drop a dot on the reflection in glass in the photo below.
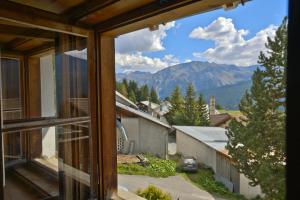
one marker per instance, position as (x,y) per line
(49,160)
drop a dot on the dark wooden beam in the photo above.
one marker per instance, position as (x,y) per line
(41,49)
(26,15)
(30,33)
(1,156)
(76,13)
(95,133)
(15,43)
(293,99)
(107,116)
(144,12)
(42,123)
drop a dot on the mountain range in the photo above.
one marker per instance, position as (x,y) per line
(226,82)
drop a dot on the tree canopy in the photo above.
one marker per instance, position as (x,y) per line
(188,110)
(257,141)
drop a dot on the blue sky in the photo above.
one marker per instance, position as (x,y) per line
(226,37)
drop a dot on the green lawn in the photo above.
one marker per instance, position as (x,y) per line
(156,168)
(203,179)
(234,113)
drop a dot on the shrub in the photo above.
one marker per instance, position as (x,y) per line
(154,193)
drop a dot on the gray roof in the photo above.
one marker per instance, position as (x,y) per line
(215,137)
(153,105)
(142,114)
(123,100)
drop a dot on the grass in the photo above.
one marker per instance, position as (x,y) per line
(233,113)
(203,179)
(156,168)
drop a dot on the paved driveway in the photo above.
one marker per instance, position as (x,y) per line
(177,186)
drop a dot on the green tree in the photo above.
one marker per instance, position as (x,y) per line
(144,92)
(219,107)
(122,89)
(125,82)
(190,107)
(257,141)
(153,96)
(175,114)
(131,96)
(202,112)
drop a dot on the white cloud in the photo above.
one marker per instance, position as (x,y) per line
(139,62)
(130,48)
(230,45)
(187,60)
(143,40)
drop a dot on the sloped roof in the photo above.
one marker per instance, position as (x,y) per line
(218,119)
(214,137)
(153,105)
(123,100)
(142,114)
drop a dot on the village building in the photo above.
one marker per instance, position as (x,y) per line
(207,145)
(157,110)
(145,133)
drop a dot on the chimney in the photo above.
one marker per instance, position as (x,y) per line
(212,106)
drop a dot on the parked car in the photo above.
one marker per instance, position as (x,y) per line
(189,164)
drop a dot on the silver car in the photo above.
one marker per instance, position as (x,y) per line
(189,164)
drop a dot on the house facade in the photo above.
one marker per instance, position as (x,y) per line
(145,133)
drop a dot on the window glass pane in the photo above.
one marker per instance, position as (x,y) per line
(10,80)
(48,160)
(59,166)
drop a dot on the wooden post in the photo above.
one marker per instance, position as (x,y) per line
(93,109)
(34,105)
(1,147)
(107,114)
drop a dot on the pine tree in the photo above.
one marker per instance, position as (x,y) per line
(123,89)
(131,96)
(132,86)
(257,141)
(190,107)
(153,96)
(203,114)
(177,102)
(125,82)
(144,92)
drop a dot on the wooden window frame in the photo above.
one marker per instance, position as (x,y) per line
(102,114)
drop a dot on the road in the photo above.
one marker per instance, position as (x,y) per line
(177,186)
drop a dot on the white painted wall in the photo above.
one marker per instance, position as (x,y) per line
(131,125)
(247,190)
(153,138)
(148,136)
(48,104)
(188,146)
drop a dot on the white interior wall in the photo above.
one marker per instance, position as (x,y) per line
(48,104)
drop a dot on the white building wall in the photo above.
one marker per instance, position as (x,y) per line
(188,146)
(247,190)
(148,136)
(153,138)
(131,126)
(48,104)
